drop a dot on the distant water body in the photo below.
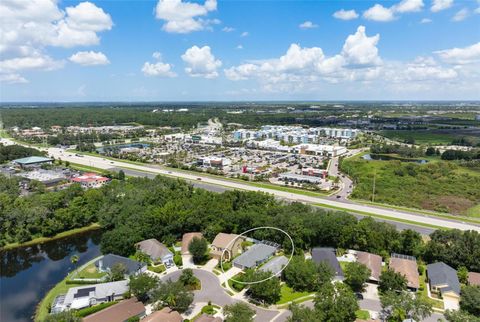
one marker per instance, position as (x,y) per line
(28,273)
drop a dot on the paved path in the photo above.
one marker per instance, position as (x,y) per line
(212,291)
(101,163)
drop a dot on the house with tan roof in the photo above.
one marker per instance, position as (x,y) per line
(373,262)
(230,245)
(186,239)
(208,318)
(157,251)
(473,278)
(406,266)
(119,312)
(164,315)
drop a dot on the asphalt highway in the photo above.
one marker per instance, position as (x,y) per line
(203,181)
(219,185)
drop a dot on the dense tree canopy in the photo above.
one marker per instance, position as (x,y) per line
(238,312)
(392,281)
(12,152)
(356,275)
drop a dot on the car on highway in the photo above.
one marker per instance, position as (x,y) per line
(199,179)
(169,172)
(338,197)
(111,162)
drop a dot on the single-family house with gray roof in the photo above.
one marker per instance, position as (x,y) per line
(327,255)
(443,279)
(157,251)
(88,295)
(275,265)
(254,256)
(105,264)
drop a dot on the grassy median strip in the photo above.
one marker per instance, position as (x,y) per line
(364,213)
(421,211)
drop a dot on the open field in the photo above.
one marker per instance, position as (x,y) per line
(438,185)
(433,136)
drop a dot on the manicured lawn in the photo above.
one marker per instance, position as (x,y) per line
(362,314)
(234,285)
(156,269)
(90,272)
(423,292)
(287,294)
(43,308)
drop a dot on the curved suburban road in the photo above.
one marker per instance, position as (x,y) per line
(212,291)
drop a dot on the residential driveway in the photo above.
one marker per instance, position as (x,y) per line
(371,292)
(212,291)
(187,261)
(450,304)
(210,265)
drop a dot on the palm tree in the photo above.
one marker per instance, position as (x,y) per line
(74,260)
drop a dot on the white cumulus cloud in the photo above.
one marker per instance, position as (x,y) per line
(460,56)
(89,58)
(426,20)
(184,17)
(461,15)
(201,62)
(345,14)
(379,13)
(28,28)
(159,68)
(307,25)
(439,5)
(359,49)
(408,6)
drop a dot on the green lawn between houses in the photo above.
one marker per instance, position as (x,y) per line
(43,307)
(287,294)
(90,271)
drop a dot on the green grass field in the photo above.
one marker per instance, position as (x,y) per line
(287,294)
(90,272)
(438,185)
(432,137)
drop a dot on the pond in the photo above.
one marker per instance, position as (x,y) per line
(384,157)
(28,273)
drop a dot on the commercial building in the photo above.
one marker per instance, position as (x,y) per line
(49,178)
(32,162)
(91,180)
(294,134)
(299,178)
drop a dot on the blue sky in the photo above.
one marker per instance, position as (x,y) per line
(172,50)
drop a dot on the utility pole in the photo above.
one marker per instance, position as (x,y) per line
(374,176)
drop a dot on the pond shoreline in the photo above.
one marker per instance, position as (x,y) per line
(42,240)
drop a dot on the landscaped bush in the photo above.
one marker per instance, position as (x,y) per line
(157,269)
(93,309)
(177,259)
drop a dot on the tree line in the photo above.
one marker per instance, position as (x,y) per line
(165,209)
(12,152)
